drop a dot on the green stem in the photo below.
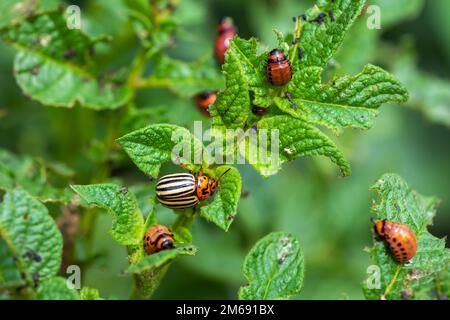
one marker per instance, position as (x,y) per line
(151,82)
(102,173)
(185,219)
(146,282)
(438,288)
(393,281)
(137,67)
(297,34)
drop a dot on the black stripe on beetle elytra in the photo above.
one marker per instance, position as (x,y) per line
(179,200)
(174,195)
(176,201)
(177,175)
(186,204)
(162,183)
(171,185)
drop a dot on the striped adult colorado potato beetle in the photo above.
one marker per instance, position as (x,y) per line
(278,69)
(225,32)
(399,237)
(158,238)
(184,190)
(204,100)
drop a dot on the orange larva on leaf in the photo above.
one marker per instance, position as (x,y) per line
(204,100)
(226,31)
(278,69)
(158,238)
(399,237)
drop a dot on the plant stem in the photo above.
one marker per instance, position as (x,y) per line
(114,122)
(102,172)
(297,34)
(137,67)
(391,284)
(151,82)
(185,219)
(146,282)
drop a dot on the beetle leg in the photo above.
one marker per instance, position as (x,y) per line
(185,167)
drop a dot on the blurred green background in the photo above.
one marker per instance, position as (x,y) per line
(329,215)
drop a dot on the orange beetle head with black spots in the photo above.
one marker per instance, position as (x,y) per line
(203,188)
(206,186)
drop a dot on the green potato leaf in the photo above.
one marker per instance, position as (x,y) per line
(33,175)
(54,64)
(296,137)
(222,210)
(128,223)
(274,268)
(14,11)
(31,235)
(343,102)
(56,289)
(319,41)
(159,259)
(90,294)
(151,146)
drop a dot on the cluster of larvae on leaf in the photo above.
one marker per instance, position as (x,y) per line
(278,67)
(184,190)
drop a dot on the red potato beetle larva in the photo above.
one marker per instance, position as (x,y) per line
(226,31)
(158,238)
(399,237)
(278,69)
(204,100)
